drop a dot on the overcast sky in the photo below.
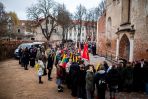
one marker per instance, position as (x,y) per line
(19,6)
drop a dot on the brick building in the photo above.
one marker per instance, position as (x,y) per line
(123,31)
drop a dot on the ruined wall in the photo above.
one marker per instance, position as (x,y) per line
(101,46)
(139,18)
(114,12)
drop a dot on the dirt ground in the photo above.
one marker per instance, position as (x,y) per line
(17,83)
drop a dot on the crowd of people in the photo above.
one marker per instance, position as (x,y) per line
(83,78)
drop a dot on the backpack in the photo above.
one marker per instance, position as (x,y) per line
(101,83)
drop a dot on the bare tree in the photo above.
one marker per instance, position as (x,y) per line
(91,23)
(3,20)
(44,10)
(100,9)
(64,20)
(91,18)
(79,17)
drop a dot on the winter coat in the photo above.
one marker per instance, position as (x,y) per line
(59,73)
(128,75)
(32,52)
(100,80)
(68,67)
(74,69)
(81,78)
(41,68)
(89,80)
(38,55)
(25,58)
(113,77)
(50,61)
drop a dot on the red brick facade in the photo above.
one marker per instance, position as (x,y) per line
(135,30)
(101,45)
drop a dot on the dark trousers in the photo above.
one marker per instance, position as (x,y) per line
(101,94)
(32,62)
(81,92)
(74,89)
(68,80)
(49,73)
(25,66)
(40,79)
(20,60)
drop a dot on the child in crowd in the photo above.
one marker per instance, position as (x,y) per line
(59,78)
(40,70)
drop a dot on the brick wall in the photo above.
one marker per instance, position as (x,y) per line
(101,35)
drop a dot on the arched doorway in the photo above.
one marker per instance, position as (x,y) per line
(124,47)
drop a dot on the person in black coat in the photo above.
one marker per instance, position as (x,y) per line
(120,69)
(81,81)
(20,55)
(139,76)
(74,69)
(94,49)
(50,64)
(100,82)
(128,77)
(105,66)
(136,76)
(144,73)
(25,58)
(32,52)
(113,78)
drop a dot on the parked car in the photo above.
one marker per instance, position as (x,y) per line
(28,45)
(23,45)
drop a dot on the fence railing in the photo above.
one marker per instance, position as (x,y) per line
(110,56)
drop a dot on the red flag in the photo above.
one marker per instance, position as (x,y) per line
(85,53)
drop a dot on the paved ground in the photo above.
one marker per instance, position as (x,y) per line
(17,83)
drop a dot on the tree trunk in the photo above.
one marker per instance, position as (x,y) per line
(63,34)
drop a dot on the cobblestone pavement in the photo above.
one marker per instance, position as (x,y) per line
(17,83)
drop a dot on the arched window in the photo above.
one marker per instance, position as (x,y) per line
(109,25)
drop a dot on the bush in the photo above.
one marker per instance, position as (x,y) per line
(7,48)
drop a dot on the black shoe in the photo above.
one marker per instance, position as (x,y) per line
(50,79)
(61,87)
(60,90)
(40,82)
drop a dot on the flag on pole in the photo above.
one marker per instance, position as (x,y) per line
(85,53)
(64,61)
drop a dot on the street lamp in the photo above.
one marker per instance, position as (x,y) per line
(9,26)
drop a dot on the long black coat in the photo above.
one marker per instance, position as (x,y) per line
(25,58)
(113,77)
(50,62)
